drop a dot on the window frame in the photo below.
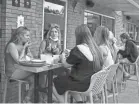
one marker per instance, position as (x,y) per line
(65,25)
(101,17)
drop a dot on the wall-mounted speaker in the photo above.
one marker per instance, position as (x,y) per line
(90,3)
(128,17)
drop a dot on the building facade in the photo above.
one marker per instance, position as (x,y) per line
(76,12)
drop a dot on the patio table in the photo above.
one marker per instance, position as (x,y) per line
(36,71)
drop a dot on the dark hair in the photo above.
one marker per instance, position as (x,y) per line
(83,35)
(125,36)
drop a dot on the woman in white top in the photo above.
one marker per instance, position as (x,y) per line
(101,37)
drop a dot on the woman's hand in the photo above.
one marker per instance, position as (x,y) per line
(27,44)
(49,47)
(62,57)
(67,52)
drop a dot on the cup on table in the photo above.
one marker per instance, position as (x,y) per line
(56,59)
(47,57)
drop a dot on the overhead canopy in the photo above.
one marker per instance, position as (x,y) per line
(129,7)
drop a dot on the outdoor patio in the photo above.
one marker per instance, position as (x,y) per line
(129,95)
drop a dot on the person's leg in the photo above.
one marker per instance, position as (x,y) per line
(27,76)
(124,69)
(77,97)
(59,97)
(20,74)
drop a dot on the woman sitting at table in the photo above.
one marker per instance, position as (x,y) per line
(85,59)
(130,54)
(16,50)
(101,36)
(52,43)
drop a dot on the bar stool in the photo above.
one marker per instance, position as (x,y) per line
(20,82)
(136,63)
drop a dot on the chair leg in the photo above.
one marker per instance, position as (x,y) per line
(19,92)
(116,88)
(66,97)
(113,88)
(105,92)
(103,96)
(5,91)
(137,75)
(91,97)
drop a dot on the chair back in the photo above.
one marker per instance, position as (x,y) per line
(97,81)
(137,61)
(112,71)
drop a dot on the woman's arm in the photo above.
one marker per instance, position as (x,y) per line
(57,49)
(14,52)
(63,60)
(104,52)
(29,53)
(42,47)
(126,52)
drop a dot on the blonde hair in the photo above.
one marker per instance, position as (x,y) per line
(16,34)
(57,27)
(101,35)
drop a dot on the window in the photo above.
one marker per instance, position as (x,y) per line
(55,12)
(93,20)
(132,30)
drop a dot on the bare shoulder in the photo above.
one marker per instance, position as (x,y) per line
(11,46)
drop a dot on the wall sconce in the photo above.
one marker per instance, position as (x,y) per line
(74,3)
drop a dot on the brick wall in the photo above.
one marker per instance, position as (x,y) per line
(119,28)
(33,20)
(75,18)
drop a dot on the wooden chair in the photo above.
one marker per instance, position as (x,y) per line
(96,86)
(111,79)
(7,79)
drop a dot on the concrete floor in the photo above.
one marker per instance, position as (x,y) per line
(130,94)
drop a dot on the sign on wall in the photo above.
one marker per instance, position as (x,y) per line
(27,3)
(16,3)
(20,21)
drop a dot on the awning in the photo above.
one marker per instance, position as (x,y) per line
(129,7)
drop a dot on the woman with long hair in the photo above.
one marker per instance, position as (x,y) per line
(85,59)
(16,50)
(101,36)
(52,42)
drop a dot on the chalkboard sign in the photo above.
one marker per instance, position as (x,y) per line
(16,3)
